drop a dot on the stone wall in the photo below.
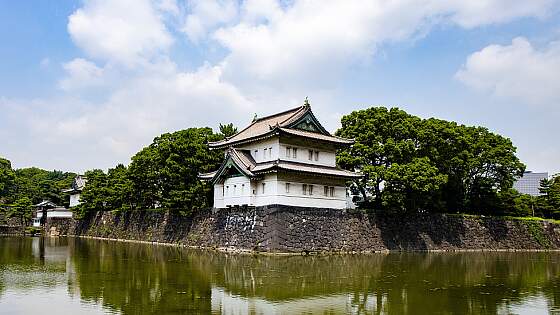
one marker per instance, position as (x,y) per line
(10,230)
(292,229)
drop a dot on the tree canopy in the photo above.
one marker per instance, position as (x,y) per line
(162,175)
(414,164)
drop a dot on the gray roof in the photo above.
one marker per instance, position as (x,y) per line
(77,185)
(243,162)
(283,122)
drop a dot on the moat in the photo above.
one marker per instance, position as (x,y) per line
(72,275)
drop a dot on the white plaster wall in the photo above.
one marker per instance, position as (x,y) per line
(237,191)
(218,196)
(74,200)
(326,157)
(318,200)
(55,214)
(275,193)
(270,193)
(267,144)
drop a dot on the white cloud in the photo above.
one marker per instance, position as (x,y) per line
(123,31)
(308,44)
(79,135)
(517,71)
(81,73)
(207,14)
(276,53)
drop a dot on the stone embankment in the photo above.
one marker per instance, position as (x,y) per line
(292,229)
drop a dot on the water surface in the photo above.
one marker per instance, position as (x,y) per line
(71,276)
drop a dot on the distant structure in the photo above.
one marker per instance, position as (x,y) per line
(48,209)
(529,183)
(77,186)
(286,159)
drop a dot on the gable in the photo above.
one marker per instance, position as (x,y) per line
(229,169)
(309,122)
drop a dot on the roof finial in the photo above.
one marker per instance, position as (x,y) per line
(255,117)
(306,102)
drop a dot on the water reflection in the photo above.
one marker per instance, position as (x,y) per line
(136,278)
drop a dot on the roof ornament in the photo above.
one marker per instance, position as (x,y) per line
(306,102)
(255,117)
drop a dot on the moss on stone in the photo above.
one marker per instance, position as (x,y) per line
(535,228)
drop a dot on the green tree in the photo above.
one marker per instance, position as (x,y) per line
(119,189)
(549,202)
(477,162)
(384,137)
(165,174)
(94,196)
(7,177)
(38,185)
(228,130)
(22,209)
(418,164)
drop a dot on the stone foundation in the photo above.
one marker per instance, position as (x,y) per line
(292,229)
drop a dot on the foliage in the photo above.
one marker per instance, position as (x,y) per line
(413,164)
(37,185)
(7,177)
(94,195)
(22,209)
(549,202)
(166,172)
(228,130)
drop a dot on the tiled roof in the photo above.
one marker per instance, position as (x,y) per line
(46,203)
(306,168)
(270,125)
(77,185)
(317,136)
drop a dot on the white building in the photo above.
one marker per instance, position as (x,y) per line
(286,158)
(77,186)
(50,210)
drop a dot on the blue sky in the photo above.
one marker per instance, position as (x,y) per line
(86,84)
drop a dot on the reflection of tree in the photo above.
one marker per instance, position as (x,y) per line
(136,278)
(395,283)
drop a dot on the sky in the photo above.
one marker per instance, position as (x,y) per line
(87,84)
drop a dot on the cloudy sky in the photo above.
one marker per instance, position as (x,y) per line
(86,84)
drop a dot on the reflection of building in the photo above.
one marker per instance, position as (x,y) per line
(77,186)
(345,303)
(529,183)
(286,158)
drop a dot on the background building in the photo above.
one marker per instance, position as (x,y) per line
(529,183)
